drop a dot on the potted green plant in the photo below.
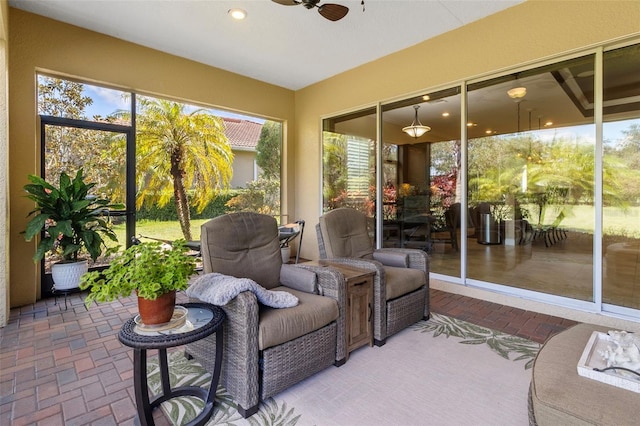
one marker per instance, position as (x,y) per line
(152,270)
(73,221)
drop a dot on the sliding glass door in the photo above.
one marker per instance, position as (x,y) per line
(621,178)
(531,179)
(424,197)
(512,187)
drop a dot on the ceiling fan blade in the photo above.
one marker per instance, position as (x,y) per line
(332,11)
(287,2)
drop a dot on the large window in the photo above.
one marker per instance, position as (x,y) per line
(517,191)
(184,165)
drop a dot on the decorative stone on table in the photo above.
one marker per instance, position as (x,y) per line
(612,358)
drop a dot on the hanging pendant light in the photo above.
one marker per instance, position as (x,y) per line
(416,129)
(517,91)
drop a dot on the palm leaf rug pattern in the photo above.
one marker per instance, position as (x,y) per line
(184,372)
(501,343)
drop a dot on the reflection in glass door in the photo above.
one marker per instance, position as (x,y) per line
(621,179)
(349,163)
(531,179)
(423,199)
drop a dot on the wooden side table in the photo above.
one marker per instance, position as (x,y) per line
(203,320)
(359,291)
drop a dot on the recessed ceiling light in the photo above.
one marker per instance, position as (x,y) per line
(548,123)
(238,14)
(470,124)
(488,132)
(445,114)
(426,98)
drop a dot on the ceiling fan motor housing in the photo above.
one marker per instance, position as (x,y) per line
(331,11)
(310,4)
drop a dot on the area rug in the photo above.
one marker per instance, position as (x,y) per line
(441,372)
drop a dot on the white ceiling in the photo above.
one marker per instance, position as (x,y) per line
(288,46)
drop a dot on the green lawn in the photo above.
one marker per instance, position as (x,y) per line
(616,221)
(581,218)
(164,230)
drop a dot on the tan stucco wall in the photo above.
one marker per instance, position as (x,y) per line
(38,43)
(4,164)
(243,167)
(532,31)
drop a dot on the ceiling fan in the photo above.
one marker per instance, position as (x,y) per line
(331,11)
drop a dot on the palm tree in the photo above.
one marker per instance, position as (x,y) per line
(181,154)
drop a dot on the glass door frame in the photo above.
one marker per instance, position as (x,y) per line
(130,198)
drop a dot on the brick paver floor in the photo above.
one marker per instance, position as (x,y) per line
(528,324)
(66,366)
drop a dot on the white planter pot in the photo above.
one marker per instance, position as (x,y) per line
(66,276)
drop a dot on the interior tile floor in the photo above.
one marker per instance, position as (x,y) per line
(529,264)
(65,366)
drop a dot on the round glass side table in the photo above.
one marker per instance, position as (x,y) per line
(202,320)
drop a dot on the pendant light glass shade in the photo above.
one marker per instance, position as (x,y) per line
(416,129)
(517,92)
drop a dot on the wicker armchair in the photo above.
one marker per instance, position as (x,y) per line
(401,282)
(267,350)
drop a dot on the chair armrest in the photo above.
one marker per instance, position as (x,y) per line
(392,258)
(417,259)
(367,265)
(299,279)
(331,284)
(241,357)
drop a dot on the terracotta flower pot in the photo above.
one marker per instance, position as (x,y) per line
(159,311)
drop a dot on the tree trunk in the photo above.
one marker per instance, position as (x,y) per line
(180,195)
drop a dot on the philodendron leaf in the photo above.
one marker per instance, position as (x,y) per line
(70,249)
(35,226)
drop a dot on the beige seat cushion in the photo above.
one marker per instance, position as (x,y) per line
(401,281)
(282,325)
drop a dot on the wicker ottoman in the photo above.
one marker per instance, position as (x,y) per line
(559,396)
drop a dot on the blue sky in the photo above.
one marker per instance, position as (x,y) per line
(106,101)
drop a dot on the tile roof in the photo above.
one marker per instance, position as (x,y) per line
(242,134)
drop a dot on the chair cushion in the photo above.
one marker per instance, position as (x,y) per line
(297,278)
(282,325)
(389,258)
(401,281)
(243,245)
(345,234)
